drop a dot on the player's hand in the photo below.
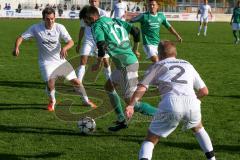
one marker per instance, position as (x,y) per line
(179,39)
(129,111)
(137,54)
(15,52)
(63,53)
(95,67)
(77,49)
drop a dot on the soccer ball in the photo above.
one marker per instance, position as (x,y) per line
(86,125)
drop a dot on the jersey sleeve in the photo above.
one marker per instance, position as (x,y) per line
(126,25)
(152,74)
(138,18)
(165,22)
(97,33)
(198,83)
(64,33)
(29,33)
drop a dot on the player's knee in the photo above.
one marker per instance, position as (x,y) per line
(152,138)
(105,62)
(109,86)
(197,128)
(83,60)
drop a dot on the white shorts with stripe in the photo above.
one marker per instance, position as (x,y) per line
(89,48)
(57,69)
(172,111)
(150,50)
(127,78)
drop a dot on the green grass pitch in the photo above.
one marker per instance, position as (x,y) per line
(29,131)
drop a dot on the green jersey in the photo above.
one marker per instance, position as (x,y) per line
(115,34)
(236,15)
(150,26)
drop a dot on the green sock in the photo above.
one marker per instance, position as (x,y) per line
(235,34)
(145,108)
(116,103)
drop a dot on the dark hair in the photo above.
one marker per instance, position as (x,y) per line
(47,11)
(88,11)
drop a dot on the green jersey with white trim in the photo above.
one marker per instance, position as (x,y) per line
(115,34)
(236,15)
(150,26)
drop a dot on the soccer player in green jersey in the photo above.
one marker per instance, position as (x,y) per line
(111,37)
(151,22)
(235,22)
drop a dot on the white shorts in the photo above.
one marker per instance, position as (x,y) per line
(150,50)
(57,69)
(173,110)
(127,78)
(89,49)
(236,26)
(204,19)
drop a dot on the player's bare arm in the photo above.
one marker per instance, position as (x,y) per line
(137,95)
(17,44)
(63,53)
(102,47)
(174,32)
(135,32)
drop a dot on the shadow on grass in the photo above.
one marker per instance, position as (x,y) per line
(46,155)
(64,132)
(233,149)
(23,106)
(23,84)
(226,96)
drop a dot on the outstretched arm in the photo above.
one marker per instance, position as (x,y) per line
(137,95)
(174,32)
(135,32)
(17,44)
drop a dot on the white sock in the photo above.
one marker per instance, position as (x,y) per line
(205,142)
(81,72)
(205,30)
(200,28)
(82,92)
(51,94)
(146,150)
(107,72)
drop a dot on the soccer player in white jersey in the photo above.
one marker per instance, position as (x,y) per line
(177,81)
(204,10)
(119,10)
(89,46)
(52,60)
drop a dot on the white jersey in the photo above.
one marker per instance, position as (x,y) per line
(204,9)
(174,77)
(119,10)
(88,32)
(48,41)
